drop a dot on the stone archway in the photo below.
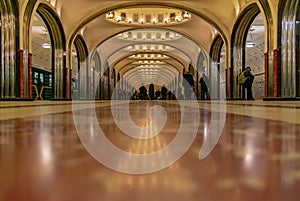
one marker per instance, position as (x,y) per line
(215,55)
(82,68)
(58,44)
(238,47)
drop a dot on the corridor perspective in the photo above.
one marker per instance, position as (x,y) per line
(155,100)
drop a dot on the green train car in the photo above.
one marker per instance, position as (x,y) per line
(41,84)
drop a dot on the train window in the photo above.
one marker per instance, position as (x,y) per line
(50,80)
(36,77)
(41,78)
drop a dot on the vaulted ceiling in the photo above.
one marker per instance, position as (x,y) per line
(115,40)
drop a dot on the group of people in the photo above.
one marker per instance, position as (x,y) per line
(188,85)
(188,88)
(144,94)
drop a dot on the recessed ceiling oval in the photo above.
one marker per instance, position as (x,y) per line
(148,16)
(149,48)
(149,35)
(148,56)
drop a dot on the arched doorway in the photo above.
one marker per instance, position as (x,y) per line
(58,44)
(202,67)
(240,56)
(82,68)
(218,58)
(96,74)
(254,53)
(42,76)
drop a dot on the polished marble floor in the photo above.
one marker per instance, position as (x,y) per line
(44,155)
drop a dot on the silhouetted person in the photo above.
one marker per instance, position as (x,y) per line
(205,83)
(164,91)
(157,95)
(151,91)
(188,85)
(248,83)
(143,92)
(39,88)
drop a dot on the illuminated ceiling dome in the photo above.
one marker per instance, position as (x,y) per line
(148,16)
(149,35)
(149,47)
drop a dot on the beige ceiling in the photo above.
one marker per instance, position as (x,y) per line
(87,17)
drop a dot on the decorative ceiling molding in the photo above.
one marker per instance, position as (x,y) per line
(153,15)
(149,35)
(149,47)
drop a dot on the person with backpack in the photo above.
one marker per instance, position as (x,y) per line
(248,82)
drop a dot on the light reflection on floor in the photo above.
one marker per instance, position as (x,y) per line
(256,158)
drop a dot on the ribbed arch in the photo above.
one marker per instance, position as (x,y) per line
(288,40)
(216,47)
(9,37)
(83,69)
(271,53)
(96,75)
(26,56)
(202,63)
(215,55)
(129,4)
(58,45)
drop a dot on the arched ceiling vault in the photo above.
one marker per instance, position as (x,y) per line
(179,49)
(88,10)
(169,65)
(124,62)
(208,19)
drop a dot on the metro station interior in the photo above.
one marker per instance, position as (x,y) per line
(76,124)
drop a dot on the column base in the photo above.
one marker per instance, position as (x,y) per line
(281,99)
(16,99)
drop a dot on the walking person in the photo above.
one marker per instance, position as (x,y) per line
(151,91)
(205,83)
(143,92)
(188,86)
(164,91)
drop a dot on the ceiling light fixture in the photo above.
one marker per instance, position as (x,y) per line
(149,56)
(149,47)
(250,43)
(45,44)
(149,35)
(148,16)
(145,62)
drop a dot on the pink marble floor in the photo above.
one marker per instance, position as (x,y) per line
(42,158)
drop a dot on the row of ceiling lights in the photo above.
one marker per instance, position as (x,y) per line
(148,56)
(149,35)
(148,62)
(148,15)
(153,47)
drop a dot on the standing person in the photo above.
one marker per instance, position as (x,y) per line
(157,95)
(169,95)
(39,89)
(204,82)
(164,91)
(151,91)
(188,85)
(248,83)
(143,92)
